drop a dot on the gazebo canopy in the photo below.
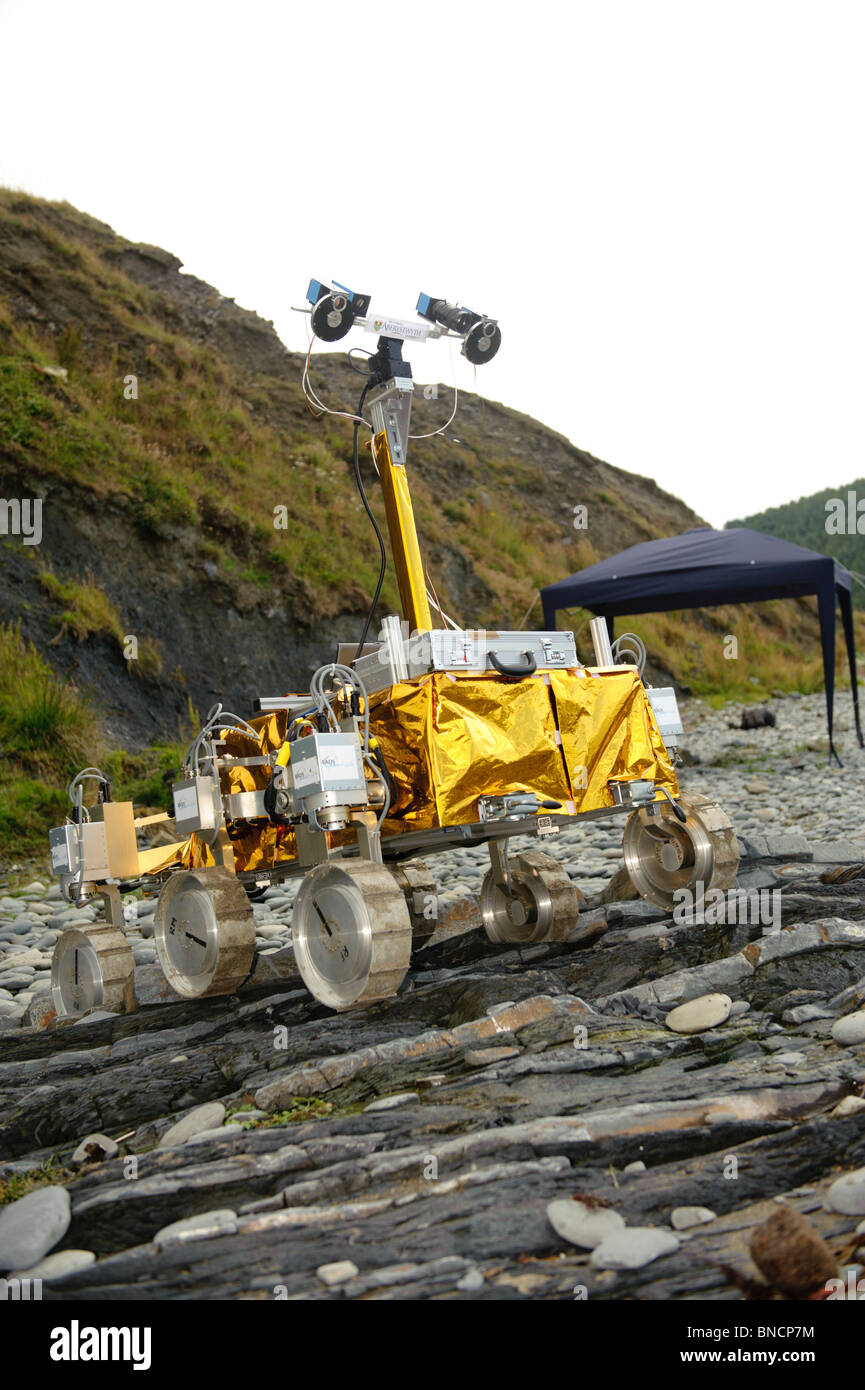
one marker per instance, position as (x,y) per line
(704,567)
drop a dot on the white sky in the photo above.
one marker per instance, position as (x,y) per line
(661,202)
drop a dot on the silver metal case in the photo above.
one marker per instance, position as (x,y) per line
(195,804)
(64,843)
(666,710)
(327,770)
(446,649)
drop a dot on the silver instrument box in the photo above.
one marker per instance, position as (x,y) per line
(512,654)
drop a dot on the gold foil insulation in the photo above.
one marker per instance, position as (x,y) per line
(449,740)
(608,728)
(153,861)
(257,844)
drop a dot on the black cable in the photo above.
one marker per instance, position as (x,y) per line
(378,759)
(360,370)
(363,497)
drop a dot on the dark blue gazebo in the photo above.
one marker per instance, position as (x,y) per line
(704,567)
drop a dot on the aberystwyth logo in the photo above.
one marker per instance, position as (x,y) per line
(76,1343)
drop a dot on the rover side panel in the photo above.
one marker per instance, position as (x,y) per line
(608,729)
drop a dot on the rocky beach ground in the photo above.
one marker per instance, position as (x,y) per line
(515,1124)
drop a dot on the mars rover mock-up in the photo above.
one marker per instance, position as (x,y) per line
(428,739)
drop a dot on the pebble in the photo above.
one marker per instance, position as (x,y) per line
(847,1194)
(203,1117)
(94,1148)
(806,1013)
(32,1226)
(20,958)
(699,1015)
(221,1222)
(850,1105)
(393,1102)
(847,1031)
(218,1132)
(683,1218)
(18,979)
(583,1225)
(337,1273)
(59,1265)
(633,1247)
(471,1281)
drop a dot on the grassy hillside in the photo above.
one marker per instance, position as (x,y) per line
(218,434)
(163,426)
(805,521)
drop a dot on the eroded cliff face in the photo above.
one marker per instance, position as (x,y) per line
(221,639)
(161,493)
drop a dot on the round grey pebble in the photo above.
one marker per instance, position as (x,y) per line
(203,1117)
(222,1222)
(393,1102)
(471,1281)
(847,1031)
(32,1226)
(219,1132)
(582,1225)
(58,1266)
(634,1247)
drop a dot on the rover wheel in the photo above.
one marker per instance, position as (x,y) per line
(204,932)
(419,890)
(90,969)
(352,933)
(664,855)
(543,905)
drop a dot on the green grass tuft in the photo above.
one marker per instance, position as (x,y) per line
(17,1185)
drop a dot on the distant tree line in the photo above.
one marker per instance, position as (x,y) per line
(831,521)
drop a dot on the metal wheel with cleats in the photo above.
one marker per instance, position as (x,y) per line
(352,933)
(204,932)
(542,906)
(90,970)
(664,855)
(421,895)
